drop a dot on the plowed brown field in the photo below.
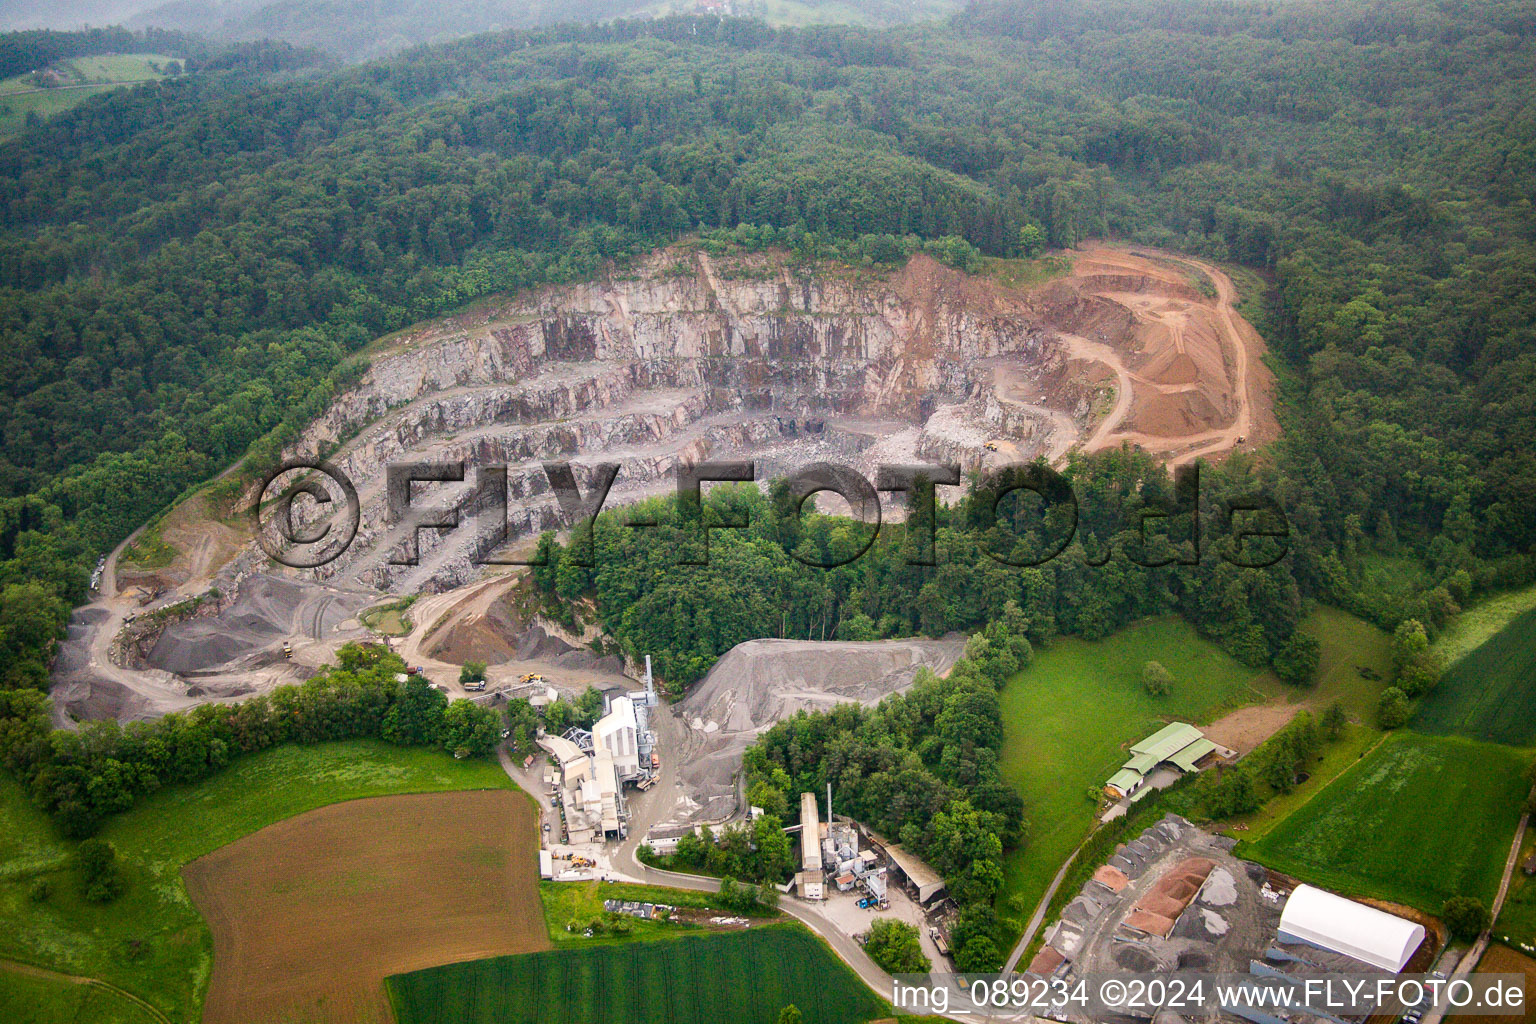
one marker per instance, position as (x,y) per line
(309,915)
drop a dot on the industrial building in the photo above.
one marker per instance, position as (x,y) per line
(662,839)
(809,882)
(1375,937)
(1178,744)
(830,849)
(924,882)
(595,765)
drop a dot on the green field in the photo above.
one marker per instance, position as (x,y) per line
(1490,694)
(1336,758)
(391,619)
(1068,718)
(1352,652)
(1476,624)
(151,941)
(84,77)
(1025,273)
(1419,819)
(743,977)
(26,999)
(149,551)
(565,902)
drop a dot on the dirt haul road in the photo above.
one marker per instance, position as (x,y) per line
(1240,352)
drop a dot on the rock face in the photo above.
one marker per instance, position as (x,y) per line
(686,359)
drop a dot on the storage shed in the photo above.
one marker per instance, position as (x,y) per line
(1371,936)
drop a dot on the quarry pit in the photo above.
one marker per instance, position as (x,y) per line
(681,358)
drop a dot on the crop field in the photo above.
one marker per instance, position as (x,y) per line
(1069,716)
(309,915)
(1419,819)
(152,942)
(742,977)
(1490,693)
(1482,620)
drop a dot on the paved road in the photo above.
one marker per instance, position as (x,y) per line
(626,863)
(1039,915)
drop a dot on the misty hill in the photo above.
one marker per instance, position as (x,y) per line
(364,29)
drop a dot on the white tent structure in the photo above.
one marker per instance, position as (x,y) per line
(1369,935)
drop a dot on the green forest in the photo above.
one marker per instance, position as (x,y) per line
(191,269)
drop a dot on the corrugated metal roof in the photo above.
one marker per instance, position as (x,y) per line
(1124,779)
(1187,758)
(1171,737)
(922,876)
(1178,743)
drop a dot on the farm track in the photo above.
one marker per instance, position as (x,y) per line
(44,974)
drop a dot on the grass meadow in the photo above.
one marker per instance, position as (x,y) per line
(1069,716)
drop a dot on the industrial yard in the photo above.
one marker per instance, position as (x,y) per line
(1175,898)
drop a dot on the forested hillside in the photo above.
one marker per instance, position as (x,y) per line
(191,267)
(366,29)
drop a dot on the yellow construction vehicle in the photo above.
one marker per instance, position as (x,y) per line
(990,446)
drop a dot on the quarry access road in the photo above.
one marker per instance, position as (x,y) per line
(627,865)
(113,614)
(1038,917)
(1236,342)
(104,618)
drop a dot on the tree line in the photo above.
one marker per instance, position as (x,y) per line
(769,578)
(80,776)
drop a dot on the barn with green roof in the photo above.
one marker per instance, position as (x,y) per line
(1178,744)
